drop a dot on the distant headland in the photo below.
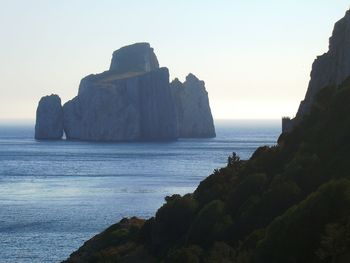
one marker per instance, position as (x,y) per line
(132,101)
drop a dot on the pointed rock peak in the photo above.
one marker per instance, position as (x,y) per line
(138,57)
(193,82)
(191,77)
(176,82)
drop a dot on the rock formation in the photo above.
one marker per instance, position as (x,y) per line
(49,118)
(333,67)
(126,109)
(133,101)
(192,106)
(330,69)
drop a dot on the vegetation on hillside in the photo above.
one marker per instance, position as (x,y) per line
(287,203)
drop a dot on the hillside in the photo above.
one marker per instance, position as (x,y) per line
(288,203)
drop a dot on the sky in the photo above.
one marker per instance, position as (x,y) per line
(254,56)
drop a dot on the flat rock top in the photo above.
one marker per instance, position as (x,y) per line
(52,100)
(138,57)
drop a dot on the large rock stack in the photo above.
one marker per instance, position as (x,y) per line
(133,101)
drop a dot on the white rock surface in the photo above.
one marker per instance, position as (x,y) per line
(128,109)
(193,110)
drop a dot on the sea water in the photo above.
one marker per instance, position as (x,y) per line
(54,195)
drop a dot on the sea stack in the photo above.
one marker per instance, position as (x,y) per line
(192,107)
(49,118)
(134,101)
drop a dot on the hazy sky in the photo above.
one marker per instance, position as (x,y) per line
(255,56)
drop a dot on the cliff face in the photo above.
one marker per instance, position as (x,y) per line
(127,109)
(192,106)
(133,101)
(49,118)
(333,67)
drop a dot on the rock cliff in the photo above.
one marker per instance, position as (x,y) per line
(329,69)
(192,106)
(333,67)
(49,118)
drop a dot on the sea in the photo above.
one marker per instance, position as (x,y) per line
(54,195)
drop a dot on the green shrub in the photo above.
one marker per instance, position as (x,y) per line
(296,235)
(214,220)
(172,221)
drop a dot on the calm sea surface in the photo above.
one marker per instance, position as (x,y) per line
(56,195)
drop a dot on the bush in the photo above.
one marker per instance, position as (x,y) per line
(191,254)
(172,221)
(296,235)
(214,220)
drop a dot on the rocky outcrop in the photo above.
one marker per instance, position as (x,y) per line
(333,67)
(133,101)
(122,109)
(330,69)
(192,106)
(138,57)
(49,118)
